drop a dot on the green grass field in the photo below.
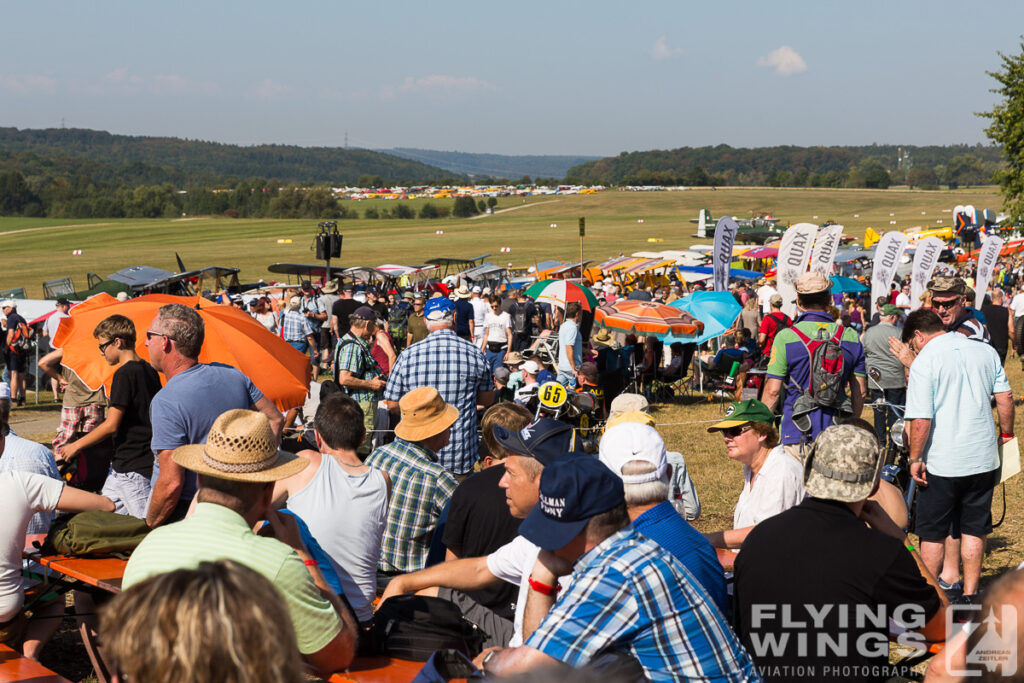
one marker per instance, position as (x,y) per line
(35,250)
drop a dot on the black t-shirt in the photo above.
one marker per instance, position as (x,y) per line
(478,524)
(342,309)
(132,389)
(380,308)
(998,321)
(819,554)
(463,314)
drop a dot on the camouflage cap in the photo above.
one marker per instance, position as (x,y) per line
(942,284)
(843,464)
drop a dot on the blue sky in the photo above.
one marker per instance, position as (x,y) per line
(511,78)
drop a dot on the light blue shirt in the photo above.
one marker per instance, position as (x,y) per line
(951,383)
(569,335)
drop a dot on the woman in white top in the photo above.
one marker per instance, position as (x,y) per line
(265,315)
(772,480)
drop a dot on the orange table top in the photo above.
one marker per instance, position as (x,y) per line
(14,667)
(727,558)
(103,572)
(378,670)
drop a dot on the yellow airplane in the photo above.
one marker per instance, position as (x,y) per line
(913,234)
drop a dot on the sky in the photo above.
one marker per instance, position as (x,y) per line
(556,77)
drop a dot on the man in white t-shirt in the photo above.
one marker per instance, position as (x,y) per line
(480,309)
(903,298)
(764,296)
(23,494)
(534,447)
(530,369)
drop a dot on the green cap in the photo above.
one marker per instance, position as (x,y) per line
(742,412)
(891,309)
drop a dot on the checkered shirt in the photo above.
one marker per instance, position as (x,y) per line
(296,326)
(457,369)
(22,455)
(353,354)
(420,488)
(629,595)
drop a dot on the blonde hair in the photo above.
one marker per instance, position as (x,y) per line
(511,416)
(219,622)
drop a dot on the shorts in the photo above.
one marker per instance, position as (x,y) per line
(130,492)
(963,503)
(16,362)
(497,629)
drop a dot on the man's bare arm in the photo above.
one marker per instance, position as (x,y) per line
(520,660)
(77,500)
(166,489)
(858,389)
(267,407)
(772,389)
(1005,411)
(467,574)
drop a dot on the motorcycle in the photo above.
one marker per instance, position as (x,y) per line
(575,408)
(897,447)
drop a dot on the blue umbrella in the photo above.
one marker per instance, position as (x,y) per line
(717,310)
(842,285)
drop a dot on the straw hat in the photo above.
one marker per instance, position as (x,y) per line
(424,414)
(602,336)
(330,288)
(241,446)
(463,292)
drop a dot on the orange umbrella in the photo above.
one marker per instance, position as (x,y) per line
(232,337)
(647,318)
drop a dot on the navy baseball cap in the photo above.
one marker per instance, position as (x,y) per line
(572,491)
(438,307)
(544,440)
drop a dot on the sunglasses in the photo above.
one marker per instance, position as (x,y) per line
(150,334)
(104,345)
(946,303)
(733,432)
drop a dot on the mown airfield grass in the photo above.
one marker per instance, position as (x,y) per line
(33,250)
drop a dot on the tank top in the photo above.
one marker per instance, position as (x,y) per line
(346,514)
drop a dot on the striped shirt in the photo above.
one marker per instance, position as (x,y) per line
(420,488)
(213,533)
(630,596)
(458,371)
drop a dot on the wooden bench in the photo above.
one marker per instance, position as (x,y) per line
(15,667)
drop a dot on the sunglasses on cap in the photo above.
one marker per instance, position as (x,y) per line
(733,432)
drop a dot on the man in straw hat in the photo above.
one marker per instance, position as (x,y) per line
(237,467)
(628,598)
(185,409)
(789,369)
(807,573)
(421,486)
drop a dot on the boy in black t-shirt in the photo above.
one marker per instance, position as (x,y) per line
(132,389)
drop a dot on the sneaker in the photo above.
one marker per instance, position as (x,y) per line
(953,590)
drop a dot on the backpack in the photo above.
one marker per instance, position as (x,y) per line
(22,341)
(827,365)
(95,533)
(415,626)
(398,322)
(520,320)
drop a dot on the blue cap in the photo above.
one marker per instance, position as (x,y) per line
(572,491)
(438,307)
(544,440)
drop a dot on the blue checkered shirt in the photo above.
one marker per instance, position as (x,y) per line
(457,369)
(353,354)
(628,595)
(296,326)
(22,455)
(420,488)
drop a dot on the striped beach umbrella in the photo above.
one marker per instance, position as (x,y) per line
(561,292)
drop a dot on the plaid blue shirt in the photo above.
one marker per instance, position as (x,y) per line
(420,488)
(629,595)
(22,455)
(296,326)
(458,371)
(353,354)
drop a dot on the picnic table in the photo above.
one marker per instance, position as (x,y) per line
(378,670)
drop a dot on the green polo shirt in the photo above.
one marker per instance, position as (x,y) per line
(214,532)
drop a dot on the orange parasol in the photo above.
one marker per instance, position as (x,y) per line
(647,318)
(232,337)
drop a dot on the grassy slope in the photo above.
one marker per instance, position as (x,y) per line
(34,250)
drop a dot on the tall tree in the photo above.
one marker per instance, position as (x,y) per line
(1006,129)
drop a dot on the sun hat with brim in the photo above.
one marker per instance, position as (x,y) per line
(545,440)
(812,282)
(330,288)
(424,414)
(241,446)
(463,292)
(742,412)
(623,403)
(571,492)
(843,465)
(514,358)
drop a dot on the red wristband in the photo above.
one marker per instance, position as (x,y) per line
(543,588)
(1007,436)
(311,563)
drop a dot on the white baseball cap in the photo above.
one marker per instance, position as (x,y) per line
(531,367)
(631,441)
(476,290)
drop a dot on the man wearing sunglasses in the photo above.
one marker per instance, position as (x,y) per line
(949,301)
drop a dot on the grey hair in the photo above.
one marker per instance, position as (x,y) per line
(185,328)
(446,321)
(649,492)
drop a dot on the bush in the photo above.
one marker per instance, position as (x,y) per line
(428,210)
(403,211)
(464,207)
(371,212)
(231,213)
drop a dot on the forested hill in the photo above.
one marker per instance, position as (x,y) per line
(797,166)
(495,165)
(131,160)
